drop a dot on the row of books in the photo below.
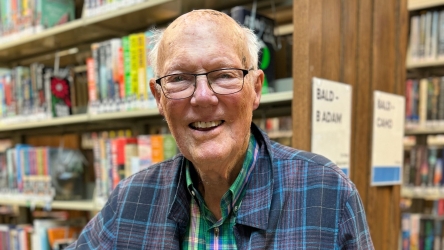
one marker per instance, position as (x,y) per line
(119,73)
(117,156)
(99,7)
(40,173)
(19,18)
(424,100)
(423,166)
(422,232)
(38,93)
(427,36)
(43,233)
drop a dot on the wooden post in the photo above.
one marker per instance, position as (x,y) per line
(361,43)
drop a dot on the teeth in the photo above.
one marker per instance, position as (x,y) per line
(206,124)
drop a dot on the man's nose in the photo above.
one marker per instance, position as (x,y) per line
(203,94)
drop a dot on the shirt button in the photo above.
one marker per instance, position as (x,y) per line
(192,193)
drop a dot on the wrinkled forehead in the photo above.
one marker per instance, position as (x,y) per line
(202,24)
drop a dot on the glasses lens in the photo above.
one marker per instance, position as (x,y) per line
(178,86)
(226,81)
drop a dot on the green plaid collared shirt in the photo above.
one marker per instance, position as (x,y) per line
(204,231)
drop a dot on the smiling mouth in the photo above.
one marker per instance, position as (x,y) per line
(205,126)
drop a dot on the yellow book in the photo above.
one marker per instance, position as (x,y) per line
(134,64)
(142,94)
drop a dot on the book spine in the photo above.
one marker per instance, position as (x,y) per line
(102,69)
(97,164)
(131,153)
(434,42)
(414,231)
(47,83)
(115,47)
(95,54)
(169,146)
(141,72)
(127,66)
(441,35)
(121,70)
(92,92)
(157,148)
(134,63)
(114,163)
(149,68)
(423,84)
(110,85)
(144,151)
(428,35)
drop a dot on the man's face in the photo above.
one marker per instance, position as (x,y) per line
(209,128)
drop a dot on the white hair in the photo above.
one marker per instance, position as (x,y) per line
(251,39)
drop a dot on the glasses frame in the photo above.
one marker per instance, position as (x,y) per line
(244,73)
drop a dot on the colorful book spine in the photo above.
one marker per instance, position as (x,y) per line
(169,146)
(127,66)
(149,68)
(145,151)
(134,63)
(157,148)
(141,67)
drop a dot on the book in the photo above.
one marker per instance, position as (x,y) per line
(405,230)
(60,97)
(144,151)
(169,146)
(157,148)
(414,231)
(134,64)
(61,11)
(131,156)
(127,67)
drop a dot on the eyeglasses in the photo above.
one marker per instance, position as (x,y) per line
(221,81)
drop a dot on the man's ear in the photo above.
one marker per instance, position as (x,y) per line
(157,95)
(258,82)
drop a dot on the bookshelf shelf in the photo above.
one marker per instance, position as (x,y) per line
(123,115)
(277,97)
(45,123)
(424,64)
(280,134)
(427,193)
(85,205)
(422,4)
(424,130)
(268,99)
(90,29)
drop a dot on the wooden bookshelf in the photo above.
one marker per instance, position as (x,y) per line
(90,29)
(85,205)
(423,4)
(427,193)
(424,64)
(424,130)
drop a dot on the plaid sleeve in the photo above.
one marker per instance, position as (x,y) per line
(99,232)
(353,228)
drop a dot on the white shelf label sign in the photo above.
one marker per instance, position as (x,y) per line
(387,141)
(331,121)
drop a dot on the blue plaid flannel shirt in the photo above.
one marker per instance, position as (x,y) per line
(294,200)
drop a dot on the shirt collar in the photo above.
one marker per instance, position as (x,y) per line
(256,203)
(234,195)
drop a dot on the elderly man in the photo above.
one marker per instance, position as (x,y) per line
(231,187)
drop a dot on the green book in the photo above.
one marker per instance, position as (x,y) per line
(169,146)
